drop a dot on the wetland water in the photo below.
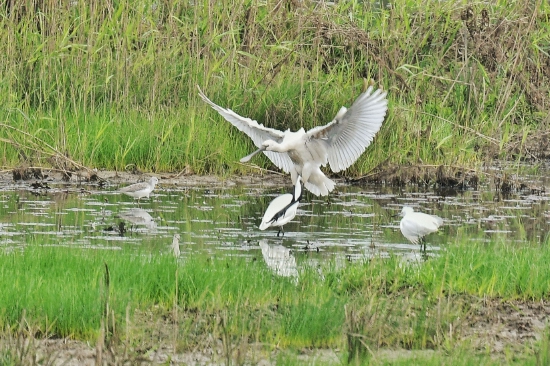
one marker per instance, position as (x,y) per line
(354,223)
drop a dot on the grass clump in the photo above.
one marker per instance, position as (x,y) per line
(114,86)
(231,304)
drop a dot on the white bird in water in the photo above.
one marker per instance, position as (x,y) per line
(416,225)
(140,190)
(282,209)
(338,143)
(176,245)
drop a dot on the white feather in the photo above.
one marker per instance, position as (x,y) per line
(339,143)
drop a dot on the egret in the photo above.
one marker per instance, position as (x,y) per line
(282,209)
(416,225)
(140,190)
(338,143)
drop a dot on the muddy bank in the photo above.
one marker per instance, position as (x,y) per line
(440,176)
(490,326)
(43,176)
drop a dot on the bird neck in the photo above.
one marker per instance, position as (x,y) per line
(275,146)
(298,190)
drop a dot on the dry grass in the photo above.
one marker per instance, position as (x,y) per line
(114,86)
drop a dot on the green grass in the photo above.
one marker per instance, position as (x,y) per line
(115,86)
(379,304)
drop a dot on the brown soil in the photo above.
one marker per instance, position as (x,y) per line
(498,326)
(40,177)
(439,176)
(492,325)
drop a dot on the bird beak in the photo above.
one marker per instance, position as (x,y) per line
(247,158)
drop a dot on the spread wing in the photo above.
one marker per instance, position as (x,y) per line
(353,129)
(257,132)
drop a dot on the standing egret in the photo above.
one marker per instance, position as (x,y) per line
(416,225)
(140,190)
(338,143)
(282,209)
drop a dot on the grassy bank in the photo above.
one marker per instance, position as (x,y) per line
(115,86)
(131,300)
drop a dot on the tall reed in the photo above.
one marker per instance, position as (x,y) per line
(115,84)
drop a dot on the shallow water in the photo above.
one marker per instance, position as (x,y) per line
(354,223)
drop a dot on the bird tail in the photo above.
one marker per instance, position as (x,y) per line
(319,184)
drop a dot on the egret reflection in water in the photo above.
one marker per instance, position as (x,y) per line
(279,259)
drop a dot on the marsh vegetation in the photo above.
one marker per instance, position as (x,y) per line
(483,301)
(342,285)
(113,86)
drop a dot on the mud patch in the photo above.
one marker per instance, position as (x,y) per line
(39,177)
(437,176)
(26,173)
(424,175)
(498,325)
(535,146)
(154,337)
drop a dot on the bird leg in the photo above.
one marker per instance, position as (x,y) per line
(423,244)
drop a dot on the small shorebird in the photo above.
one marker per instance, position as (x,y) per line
(176,245)
(339,143)
(282,209)
(416,225)
(140,190)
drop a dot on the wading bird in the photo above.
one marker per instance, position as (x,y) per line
(338,143)
(416,225)
(140,190)
(282,209)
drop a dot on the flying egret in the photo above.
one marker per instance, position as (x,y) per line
(282,209)
(416,225)
(338,143)
(140,190)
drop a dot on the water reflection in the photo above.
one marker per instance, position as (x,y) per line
(138,216)
(353,223)
(279,259)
